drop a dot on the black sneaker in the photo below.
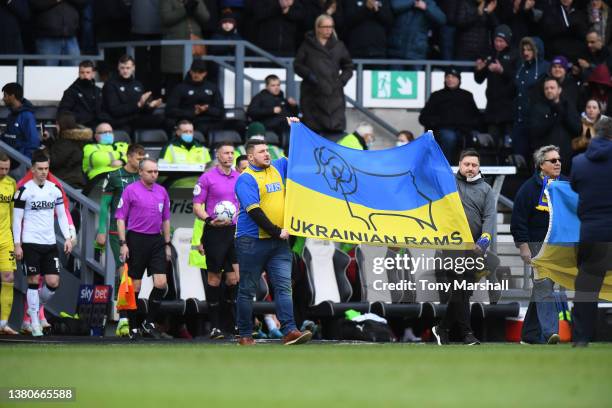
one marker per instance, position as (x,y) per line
(470,340)
(216,334)
(151,330)
(441,335)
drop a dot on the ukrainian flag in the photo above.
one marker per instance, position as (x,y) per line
(405,196)
(557,258)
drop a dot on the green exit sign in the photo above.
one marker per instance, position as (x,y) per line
(394,84)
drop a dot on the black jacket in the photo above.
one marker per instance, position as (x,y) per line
(472,38)
(12,15)
(53,19)
(590,178)
(500,88)
(450,108)
(528,224)
(555,124)
(365,31)
(67,156)
(84,99)
(121,97)
(262,107)
(274,31)
(183,98)
(562,39)
(324,71)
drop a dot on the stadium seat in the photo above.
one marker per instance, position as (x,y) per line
(329,288)
(235,114)
(198,136)
(385,303)
(122,136)
(151,137)
(45,113)
(223,135)
(4,112)
(272,138)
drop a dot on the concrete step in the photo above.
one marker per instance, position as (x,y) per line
(503,228)
(505,238)
(511,261)
(506,248)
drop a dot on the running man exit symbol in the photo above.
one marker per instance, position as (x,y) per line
(394,85)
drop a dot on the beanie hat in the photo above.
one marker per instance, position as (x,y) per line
(561,60)
(452,71)
(256,129)
(504,32)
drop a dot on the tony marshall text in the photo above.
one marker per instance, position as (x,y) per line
(439,286)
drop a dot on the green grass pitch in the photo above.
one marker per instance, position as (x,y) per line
(314,375)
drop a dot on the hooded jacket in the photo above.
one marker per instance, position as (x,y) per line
(590,178)
(527,75)
(21,132)
(67,156)
(84,99)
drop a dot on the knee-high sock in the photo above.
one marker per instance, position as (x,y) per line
(133,315)
(230,305)
(6,301)
(33,303)
(213,293)
(154,302)
(46,293)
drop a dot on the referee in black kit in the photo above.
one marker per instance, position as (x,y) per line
(144,211)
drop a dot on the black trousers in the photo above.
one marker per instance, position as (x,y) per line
(594,259)
(458,309)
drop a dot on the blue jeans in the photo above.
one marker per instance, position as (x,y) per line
(448,138)
(254,256)
(542,318)
(447,41)
(58,46)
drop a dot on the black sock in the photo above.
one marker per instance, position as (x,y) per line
(123,314)
(213,293)
(134,315)
(154,302)
(230,306)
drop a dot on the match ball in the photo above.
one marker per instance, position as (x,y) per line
(225,211)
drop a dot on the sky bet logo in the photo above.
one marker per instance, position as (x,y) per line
(94,294)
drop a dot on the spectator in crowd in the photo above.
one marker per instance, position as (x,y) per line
(478,201)
(144,239)
(589,118)
(104,155)
(146,26)
(413,19)
(56,24)
(361,139)
(475,21)
(404,137)
(446,32)
(126,101)
(183,148)
(451,113)
(66,153)
(275,25)
(522,16)
(529,225)
(83,98)
(261,242)
(595,54)
(20,133)
(563,28)
(12,15)
(531,67)
(498,69)
(212,188)
(560,69)
(271,108)
(590,179)
(196,100)
(366,24)
(214,13)
(554,121)
(314,8)
(181,20)
(7,254)
(598,86)
(600,20)
(325,67)
(227,30)
(257,131)
(242,162)
(111,24)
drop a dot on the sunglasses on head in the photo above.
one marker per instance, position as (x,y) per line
(553,161)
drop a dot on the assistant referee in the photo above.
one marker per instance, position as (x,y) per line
(145,209)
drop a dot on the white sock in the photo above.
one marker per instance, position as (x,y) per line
(46,294)
(33,305)
(270,322)
(2,323)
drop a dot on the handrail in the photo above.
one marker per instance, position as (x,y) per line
(89,209)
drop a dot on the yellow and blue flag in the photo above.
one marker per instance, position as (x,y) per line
(404,196)
(558,257)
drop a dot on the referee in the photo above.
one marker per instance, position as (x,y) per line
(144,211)
(213,187)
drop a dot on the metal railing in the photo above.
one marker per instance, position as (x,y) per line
(89,210)
(21,58)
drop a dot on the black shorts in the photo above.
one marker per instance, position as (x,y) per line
(147,252)
(40,259)
(219,248)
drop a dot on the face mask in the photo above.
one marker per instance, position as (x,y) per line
(187,137)
(107,138)
(86,82)
(400,143)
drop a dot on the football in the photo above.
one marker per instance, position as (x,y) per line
(225,211)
